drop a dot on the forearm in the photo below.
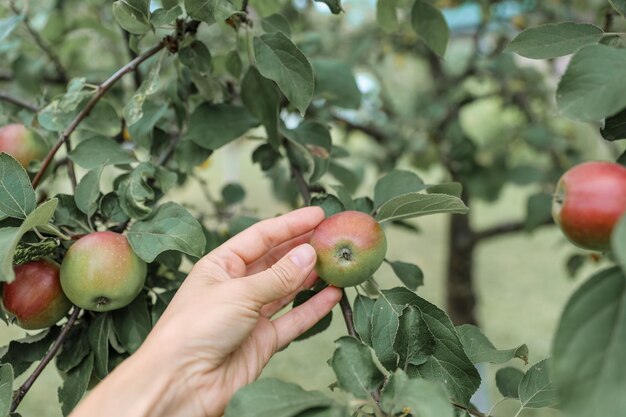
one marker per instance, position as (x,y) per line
(143,385)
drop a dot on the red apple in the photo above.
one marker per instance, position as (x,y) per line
(589,200)
(22,144)
(100,272)
(35,297)
(350,247)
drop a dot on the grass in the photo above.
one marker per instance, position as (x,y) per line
(521,281)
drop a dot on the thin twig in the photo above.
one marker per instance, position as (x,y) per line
(42,43)
(70,166)
(505,228)
(101,91)
(346,309)
(470,410)
(18,102)
(22,390)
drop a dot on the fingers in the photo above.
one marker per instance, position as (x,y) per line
(257,240)
(272,308)
(271,257)
(303,317)
(281,280)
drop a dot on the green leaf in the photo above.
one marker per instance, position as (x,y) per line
(329,203)
(276,23)
(535,389)
(75,348)
(75,385)
(197,57)
(314,141)
(321,325)
(67,214)
(507,381)
(448,365)
(133,111)
(589,347)
(233,193)
(261,98)
(10,236)
(385,324)
(618,242)
(281,61)
(538,210)
(587,91)
(417,397)
(164,17)
(8,24)
(233,64)
(27,252)
(335,82)
(386,15)
(6,389)
(99,120)
(274,398)
(454,189)
(171,227)
(132,323)
(394,184)
(614,127)
(355,369)
(142,131)
(412,205)
(480,349)
(411,275)
(209,11)
(620,6)
(428,22)
(100,151)
(22,353)
(362,317)
(414,342)
(133,15)
(333,5)
(98,337)
(214,125)
(17,197)
(554,39)
(88,192)
(135,193)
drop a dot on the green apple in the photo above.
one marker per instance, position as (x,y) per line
(350,247)
(35,297)
(100,272)
(22,144)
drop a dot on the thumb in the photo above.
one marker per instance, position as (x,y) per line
(283,278)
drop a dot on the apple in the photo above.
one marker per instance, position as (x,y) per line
(35,297)
(22,144)
(100,272)
(350,247)
(589,200)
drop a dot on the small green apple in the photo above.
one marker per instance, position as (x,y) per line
(100,272)
(350,247)
(22,144)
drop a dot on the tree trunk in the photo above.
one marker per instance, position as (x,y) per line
(461,298)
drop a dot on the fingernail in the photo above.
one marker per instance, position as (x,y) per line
(303,255)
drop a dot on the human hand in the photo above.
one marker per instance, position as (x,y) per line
(217,334)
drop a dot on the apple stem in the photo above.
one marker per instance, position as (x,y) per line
(346,310)
(20,393)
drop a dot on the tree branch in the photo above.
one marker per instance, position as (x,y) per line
(18,102)
(22,390)
(100,92)
(42,43)
(504,229)
(372,131)
(346,310)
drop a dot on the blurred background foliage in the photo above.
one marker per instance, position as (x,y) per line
(481,117)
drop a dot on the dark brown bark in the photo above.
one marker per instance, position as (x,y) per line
(461,297)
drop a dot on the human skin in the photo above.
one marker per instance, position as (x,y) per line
(589,201)
(35,297)
(217,334)
(350,247)
(100,272)
(21,143)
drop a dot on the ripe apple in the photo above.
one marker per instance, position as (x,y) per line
(589,200)
(35,297)
(100,272)
(22,144)
(350,247)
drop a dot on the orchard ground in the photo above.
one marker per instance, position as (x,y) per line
(521,280)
